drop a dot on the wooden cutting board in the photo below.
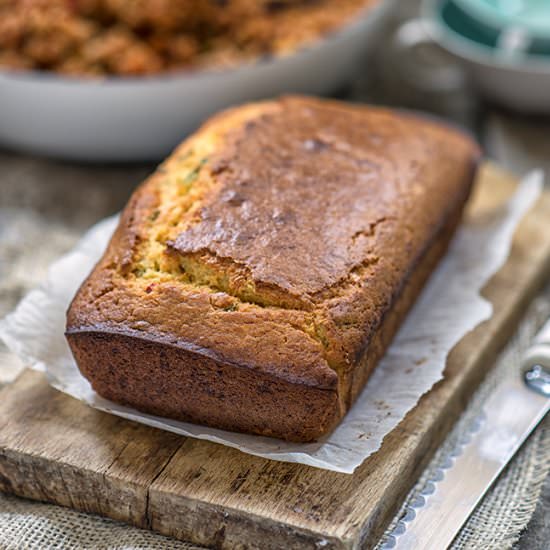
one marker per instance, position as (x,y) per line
(53,448)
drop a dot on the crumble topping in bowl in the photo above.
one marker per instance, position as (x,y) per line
(139,37)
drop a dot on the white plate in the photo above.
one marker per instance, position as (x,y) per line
(127,119)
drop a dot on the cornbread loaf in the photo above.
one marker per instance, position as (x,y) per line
(256,278)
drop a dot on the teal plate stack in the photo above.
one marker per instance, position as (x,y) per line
(503,46)
(519,28)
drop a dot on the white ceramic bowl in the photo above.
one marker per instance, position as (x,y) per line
(128,119)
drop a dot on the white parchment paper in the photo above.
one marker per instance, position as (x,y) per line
(449,307)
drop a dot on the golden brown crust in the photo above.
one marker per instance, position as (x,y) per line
(283,242)
(189,385)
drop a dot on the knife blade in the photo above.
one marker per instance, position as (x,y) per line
(509,415)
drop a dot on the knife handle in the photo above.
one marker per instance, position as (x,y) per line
(535,367)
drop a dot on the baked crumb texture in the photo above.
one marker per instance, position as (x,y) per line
(259,274)
(137,37)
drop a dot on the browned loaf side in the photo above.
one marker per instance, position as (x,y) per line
(257,277)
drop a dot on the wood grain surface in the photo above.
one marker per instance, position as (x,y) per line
(53,448)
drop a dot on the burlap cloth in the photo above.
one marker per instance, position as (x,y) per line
(496,524)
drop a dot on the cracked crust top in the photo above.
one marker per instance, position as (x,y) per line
(277,237)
